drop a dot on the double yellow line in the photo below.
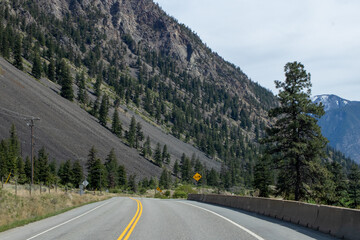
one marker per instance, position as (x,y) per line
(133,221)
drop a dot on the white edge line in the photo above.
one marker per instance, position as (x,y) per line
(67,221)
(237,225)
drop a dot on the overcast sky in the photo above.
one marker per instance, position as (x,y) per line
(261,36)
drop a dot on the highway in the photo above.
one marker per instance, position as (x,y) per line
(144,218)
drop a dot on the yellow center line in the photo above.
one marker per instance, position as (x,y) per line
(133,226)
(135,218)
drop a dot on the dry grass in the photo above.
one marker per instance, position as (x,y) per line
(19,209)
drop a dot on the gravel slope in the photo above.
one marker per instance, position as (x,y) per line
(67,131)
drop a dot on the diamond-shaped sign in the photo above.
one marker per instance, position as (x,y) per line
(158,189)
(197,177)
(85,183)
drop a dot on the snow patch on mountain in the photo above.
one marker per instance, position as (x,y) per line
(330,101)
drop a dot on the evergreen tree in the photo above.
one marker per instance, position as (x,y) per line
(165,179)
(43,167)
(131,135)
(122,178)
(104,109)
(111,167)
(27,169)
(94,169)
(5,41)
(165,156)
(262,176)
(66,83)
(21,171)
(51,70)
(36,68)
(18,62)
(139,135)
(212,178)
(95,108)
(116,126)
(65,173)
(147,147)
(77,173)
(176,168)
(132,183)
(186,169)
(354,185)
(339,183)
(81,94)
(97,86)
(157,155)
(295,141)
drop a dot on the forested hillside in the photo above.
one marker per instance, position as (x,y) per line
(139,72)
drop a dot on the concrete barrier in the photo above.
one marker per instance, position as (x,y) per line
(339,222)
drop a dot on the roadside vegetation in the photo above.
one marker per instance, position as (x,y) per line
(21,208)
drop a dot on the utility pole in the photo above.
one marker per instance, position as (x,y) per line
(32,124)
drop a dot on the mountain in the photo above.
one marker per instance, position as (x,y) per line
(330,102)
(341,124)
(148,66)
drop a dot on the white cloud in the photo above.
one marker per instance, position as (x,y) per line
(260,36)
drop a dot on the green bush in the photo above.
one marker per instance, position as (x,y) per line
(180,194)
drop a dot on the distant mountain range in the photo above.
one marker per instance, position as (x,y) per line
(341,124)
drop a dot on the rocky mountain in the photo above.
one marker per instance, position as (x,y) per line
(148,66)
(341,124)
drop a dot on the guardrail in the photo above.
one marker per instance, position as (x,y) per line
(339,222)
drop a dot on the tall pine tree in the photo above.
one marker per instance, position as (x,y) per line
(295,141)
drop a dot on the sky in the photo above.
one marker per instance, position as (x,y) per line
(261,36)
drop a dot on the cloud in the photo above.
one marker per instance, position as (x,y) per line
(261,36)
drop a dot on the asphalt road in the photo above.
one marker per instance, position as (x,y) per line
(126,218)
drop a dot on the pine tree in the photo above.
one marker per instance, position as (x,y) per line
(147,147)
(51,70)
(131,135)
(132,183)
(81,94)
(27,169)
(111,167)
(21,171)
(93,169)
(185,168)
(295,141)
(18,62)
(43,166)
(122,178)
(97,86)
(354,186)
(116,126)
(65,173)
(77,173)
(176,168)
(139,135)
(157,155)
(165,156)
(165,179)
(95,108)
(66,82)
(262,176)
(104,109)
(36,68)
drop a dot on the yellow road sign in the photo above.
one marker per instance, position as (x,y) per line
(158,189)
(197,177)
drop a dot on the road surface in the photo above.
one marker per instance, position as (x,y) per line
(143,218)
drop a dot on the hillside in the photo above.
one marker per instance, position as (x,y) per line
(341,124)
(148,66)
